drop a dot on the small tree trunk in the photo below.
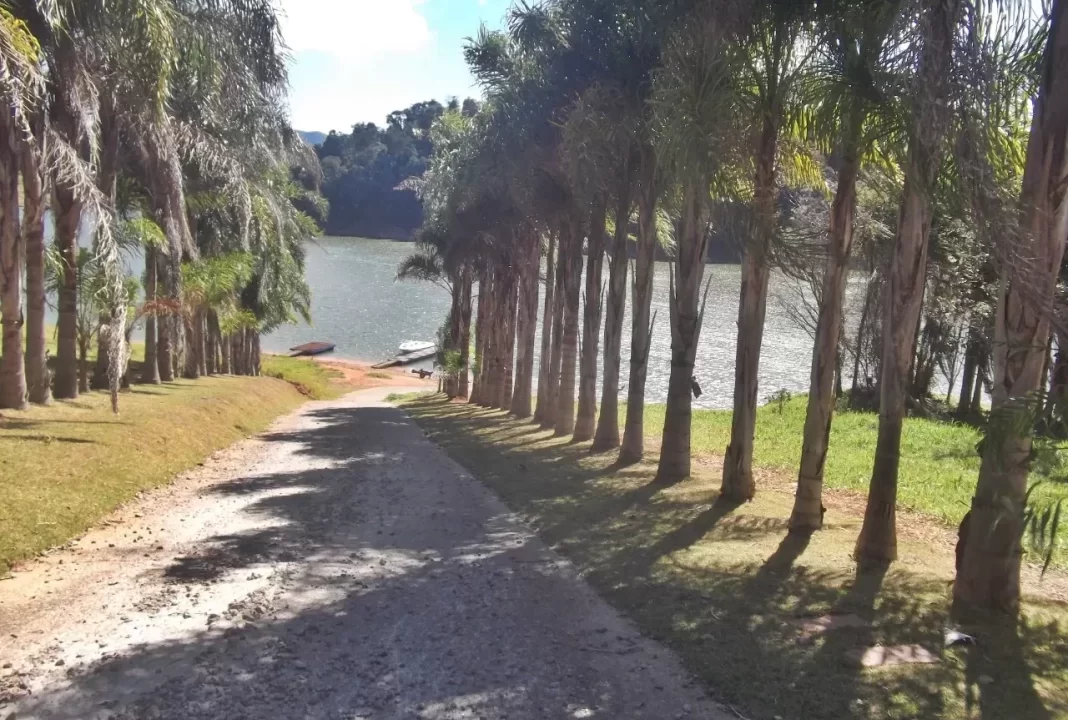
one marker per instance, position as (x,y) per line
(12,260)
(877,544)
(989,576)
(191,361)
(254,339)
(861,327)
(552,378)
(586,416)
(738,482)
(528,326)
(633,446)
(38,380)
(808,501)
(686,315)
(201,342)
(607,434)
(572,271)
(544,358)
(103,354)
(465,332)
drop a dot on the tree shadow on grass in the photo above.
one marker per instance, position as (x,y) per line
(736,624)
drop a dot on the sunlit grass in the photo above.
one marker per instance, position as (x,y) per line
(313,379)
(64,467)
(939,462)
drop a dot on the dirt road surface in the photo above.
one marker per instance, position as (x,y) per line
(339,566)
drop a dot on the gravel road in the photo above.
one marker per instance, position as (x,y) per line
(339,566)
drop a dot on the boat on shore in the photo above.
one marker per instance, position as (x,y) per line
(312,348)
(415,346)
(408,353)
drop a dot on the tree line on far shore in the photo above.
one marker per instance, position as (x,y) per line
(159,128)
(917,143)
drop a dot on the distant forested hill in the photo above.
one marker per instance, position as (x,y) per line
(313,138)
(361,171)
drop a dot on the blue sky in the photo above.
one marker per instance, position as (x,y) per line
(358,60)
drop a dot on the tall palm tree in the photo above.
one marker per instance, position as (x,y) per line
(19,88)
(695,125)
(769,77)
(937,25)
(847,91)
(988,576)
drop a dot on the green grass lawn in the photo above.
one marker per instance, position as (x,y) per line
(939,463)
(64,467)
(728,588)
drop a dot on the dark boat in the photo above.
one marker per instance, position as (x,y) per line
(312,348)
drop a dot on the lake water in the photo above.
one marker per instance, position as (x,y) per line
(358,305)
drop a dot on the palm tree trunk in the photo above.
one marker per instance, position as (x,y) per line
(191,361)
(527,324)
(607,434)
(68,212)
(465,333)
(150,370)
(571,267)
(12,259)
(633,446)
(544,357)
(38,381)
(552,378)
(83,364)
(685,334)
(877,544)
(968,376)
(107,182)
(452,342)
(508,331)
(226,347)
(738,482)
(490,350)
(477,389)
(989,575)
(586,417)
(210,352)
(808,501)
(165,323)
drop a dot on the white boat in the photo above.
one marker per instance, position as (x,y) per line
(415,346)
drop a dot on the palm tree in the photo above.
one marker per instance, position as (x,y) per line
(988,576)
(18,88)
(769,78)
(938,21)
(34,180)
(695,131)
(846,91)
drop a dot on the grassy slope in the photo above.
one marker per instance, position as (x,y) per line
(63,467)
(725,586)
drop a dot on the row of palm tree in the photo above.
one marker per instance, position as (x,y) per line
(156,125)
(633,128)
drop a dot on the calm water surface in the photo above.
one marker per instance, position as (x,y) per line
(358,305)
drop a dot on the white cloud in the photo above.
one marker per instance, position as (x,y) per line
(354,29)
